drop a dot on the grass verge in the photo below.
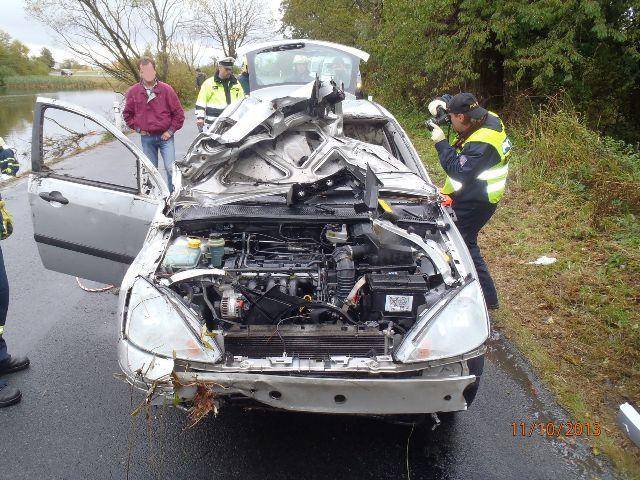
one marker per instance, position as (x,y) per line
(573,195)
(50,82)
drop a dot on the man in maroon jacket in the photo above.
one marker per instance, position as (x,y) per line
(154,111)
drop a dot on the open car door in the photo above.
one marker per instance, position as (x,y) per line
(93,193)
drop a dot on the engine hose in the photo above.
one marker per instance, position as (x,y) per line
(346,270)
(350,301)
(94,290)
(333,308)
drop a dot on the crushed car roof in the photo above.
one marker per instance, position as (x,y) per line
(261,146)
(364,56)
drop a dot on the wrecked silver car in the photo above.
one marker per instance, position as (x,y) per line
(303,262)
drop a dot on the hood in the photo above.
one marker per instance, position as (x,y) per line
(260,146)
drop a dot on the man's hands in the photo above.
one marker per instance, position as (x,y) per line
(436,133)
(165,136)
(434,104)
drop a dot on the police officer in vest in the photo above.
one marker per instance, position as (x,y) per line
(9,395)
(217,92)
(476,163)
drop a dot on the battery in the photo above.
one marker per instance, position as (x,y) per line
(394,296)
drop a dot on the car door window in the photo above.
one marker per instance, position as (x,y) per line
(82,150)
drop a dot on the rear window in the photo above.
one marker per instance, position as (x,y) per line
(298,63)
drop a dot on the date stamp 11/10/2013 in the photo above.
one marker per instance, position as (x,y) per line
(556,429)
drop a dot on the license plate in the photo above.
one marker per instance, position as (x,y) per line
(398,303)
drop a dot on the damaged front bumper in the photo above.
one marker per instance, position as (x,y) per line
(445,388)
(373,396)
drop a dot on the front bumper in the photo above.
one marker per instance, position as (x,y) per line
(164,380)
(372,396)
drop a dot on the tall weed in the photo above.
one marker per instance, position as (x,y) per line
(559,155)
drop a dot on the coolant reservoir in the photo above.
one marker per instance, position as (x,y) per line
(336,236)
(184,252)
(215,247)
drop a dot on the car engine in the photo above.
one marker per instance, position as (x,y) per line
(308,288)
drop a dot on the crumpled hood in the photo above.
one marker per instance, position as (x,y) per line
(264,146)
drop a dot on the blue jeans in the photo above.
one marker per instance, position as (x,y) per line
(150,146)
(4,305)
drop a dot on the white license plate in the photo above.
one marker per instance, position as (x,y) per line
(398,303)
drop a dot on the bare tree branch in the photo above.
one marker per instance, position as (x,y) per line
(113,34)
(229,24)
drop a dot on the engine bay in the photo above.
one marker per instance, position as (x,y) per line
(307,288)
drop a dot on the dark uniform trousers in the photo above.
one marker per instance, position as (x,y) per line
(471,219)
(4,305)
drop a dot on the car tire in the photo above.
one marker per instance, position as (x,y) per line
(471,391)
(476,367)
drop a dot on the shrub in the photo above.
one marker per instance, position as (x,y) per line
(182,79)
(563,157)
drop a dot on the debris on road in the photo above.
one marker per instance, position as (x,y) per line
(544,260)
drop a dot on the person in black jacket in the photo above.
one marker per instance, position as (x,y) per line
(476,164)
(8,363)
(200,77)
(243,78)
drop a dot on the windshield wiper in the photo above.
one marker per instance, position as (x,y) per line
(283,48)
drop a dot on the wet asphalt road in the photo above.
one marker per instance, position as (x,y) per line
(75,422)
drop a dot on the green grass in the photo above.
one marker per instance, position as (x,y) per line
(574,195)
(50,82)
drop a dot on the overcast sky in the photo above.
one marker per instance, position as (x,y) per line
(33,34)
(15,22)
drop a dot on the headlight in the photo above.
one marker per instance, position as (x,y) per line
(158,325)
(451,327)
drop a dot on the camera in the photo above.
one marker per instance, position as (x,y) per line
(442,117)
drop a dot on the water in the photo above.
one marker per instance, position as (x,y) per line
(16,115)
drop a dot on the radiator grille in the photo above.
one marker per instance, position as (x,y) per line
(315,347)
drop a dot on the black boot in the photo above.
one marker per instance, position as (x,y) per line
(13,364)
(8,395)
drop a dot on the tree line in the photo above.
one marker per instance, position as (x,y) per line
(15,59)
(114,34)
(506,51)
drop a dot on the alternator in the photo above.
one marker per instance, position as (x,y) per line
(231,304)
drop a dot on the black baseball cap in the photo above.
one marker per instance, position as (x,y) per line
(466,103)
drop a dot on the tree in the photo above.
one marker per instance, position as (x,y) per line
(111,34)
(46,57)
(188,51)
(15,60)
(71,64)
(167,19)
(231,23)
(346,21)
(497,49)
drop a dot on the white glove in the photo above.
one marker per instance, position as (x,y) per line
(436,133)
(433,106)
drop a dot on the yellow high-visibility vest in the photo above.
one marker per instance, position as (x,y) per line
(496,176)
(212,99)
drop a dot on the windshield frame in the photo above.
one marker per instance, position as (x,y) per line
(298,47)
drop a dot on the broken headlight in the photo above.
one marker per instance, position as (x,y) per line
(162,326)
(453,326)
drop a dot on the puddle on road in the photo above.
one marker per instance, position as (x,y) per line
(544,408)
